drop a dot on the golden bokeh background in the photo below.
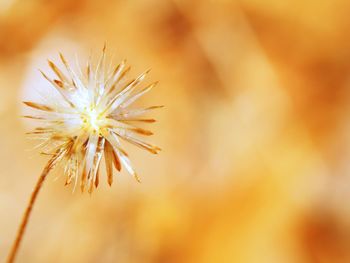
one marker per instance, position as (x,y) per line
(255,166)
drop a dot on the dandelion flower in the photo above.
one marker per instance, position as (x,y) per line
(88,121)
(90,118)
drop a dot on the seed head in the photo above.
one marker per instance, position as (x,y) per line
(89,119)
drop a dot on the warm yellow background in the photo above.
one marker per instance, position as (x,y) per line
(255,166)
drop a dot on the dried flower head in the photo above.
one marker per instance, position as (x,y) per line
(88,119)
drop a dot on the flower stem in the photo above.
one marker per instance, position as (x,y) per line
(27,213)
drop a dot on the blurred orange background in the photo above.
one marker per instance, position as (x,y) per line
(255,133)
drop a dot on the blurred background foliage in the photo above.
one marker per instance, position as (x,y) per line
(255,134)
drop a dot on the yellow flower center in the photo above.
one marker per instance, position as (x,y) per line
(92,119)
